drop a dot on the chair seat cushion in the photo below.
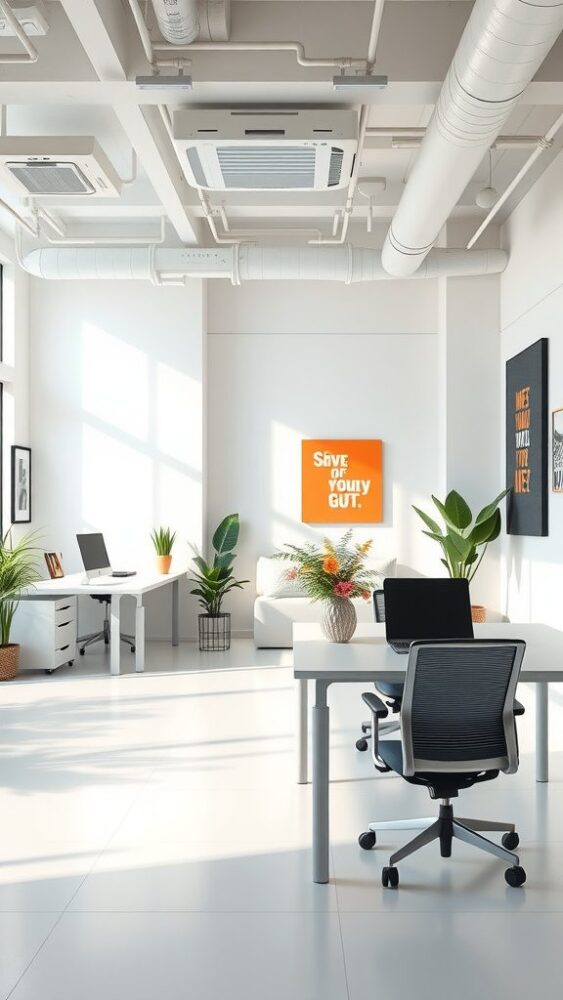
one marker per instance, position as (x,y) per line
(390,689)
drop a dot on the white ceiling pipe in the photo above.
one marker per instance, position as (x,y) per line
(30,55)
(248,263)
(503,45)
(178,21)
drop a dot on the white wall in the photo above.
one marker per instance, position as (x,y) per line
(269,389)
(117,373)
(532,307)
(15,371)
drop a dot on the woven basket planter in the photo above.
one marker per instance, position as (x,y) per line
(214,632)
(339,619)
(9,661)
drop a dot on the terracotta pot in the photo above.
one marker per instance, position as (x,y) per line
(163,564)
(339,619)
(478,614)
(9,661)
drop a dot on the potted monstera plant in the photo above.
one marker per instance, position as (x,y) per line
(464,539)
(18,571)
(213,581)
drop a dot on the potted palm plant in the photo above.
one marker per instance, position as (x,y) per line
(463,539)
(18,570)
(163,539)
(213,581)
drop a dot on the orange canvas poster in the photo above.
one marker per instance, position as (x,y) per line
(342,482)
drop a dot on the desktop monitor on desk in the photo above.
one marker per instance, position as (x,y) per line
(95,558)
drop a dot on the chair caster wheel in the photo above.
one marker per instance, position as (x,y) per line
(367,840)
(133,649)
(515,876)
(49,672)
(390,877)
(106,642)
(361,744)
(70,663)
(82,651)
(510,841)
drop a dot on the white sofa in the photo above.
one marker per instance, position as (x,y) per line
(280,602)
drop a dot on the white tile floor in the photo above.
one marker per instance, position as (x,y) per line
(154,846)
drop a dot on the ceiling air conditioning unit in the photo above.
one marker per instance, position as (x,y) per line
(31,14)
(294,150)
(55,167)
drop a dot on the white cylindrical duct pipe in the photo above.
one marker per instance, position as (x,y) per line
(178,20)
(248,263)
(503,45)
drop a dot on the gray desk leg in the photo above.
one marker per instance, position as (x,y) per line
(115,635)
(175,604)
(302,732)
(139,636)
(321,731)
(542,731)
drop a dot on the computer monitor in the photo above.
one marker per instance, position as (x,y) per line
(423,608)
(94,554)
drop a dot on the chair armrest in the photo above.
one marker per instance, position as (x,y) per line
(518,708)
(375,705)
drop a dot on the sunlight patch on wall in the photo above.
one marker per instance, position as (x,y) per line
(115,381)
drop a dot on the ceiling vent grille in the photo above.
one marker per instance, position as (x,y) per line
(57,167)
(301,150)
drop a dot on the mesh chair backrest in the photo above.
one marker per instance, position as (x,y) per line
(457,711)
(379,605)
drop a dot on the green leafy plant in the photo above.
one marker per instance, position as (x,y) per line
(18,570)
(214,580)
(163,539)
(463,540)
(335,570)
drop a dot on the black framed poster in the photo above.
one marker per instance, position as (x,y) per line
(527,441)
(21,484)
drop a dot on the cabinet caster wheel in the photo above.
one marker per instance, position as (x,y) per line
(510,841)
(71,663)
(515,876)
(82,651)
(390,878)
(361,744)
(49,672)
(367,840)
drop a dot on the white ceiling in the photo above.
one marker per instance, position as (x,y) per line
(83,84)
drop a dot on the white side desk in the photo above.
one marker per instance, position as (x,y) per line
(367,659)
(132,586)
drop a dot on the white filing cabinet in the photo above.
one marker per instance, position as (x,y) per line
(46,631)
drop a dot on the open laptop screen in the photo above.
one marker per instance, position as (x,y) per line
(427,609)
(93,551)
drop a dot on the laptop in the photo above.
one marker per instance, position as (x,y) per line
(424,608)
(96,560)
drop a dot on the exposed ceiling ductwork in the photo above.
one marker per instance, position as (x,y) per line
(178,21)
(239,263)
(502,47)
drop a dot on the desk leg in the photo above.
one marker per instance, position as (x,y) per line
(542,731)
(302,732)
(139,636)
(115,635)
(321,732)
(175,602)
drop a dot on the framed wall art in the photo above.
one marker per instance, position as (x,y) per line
(527,441)
(342,481)
(21,484)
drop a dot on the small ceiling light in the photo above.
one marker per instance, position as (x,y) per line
(487,196)
(366,82)
(161,82)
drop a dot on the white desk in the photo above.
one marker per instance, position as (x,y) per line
(367,659)
(132,586)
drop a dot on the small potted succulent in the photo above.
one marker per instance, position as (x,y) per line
(213,581)
(463,539)
(18,571)
(163,539)
(334,574)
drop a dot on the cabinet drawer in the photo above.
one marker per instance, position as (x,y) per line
(64,655)
(65,611)
(65,635)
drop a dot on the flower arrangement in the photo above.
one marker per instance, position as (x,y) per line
(333,571)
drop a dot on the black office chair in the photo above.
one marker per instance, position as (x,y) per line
(393,692)
(87,640)
(457,728)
